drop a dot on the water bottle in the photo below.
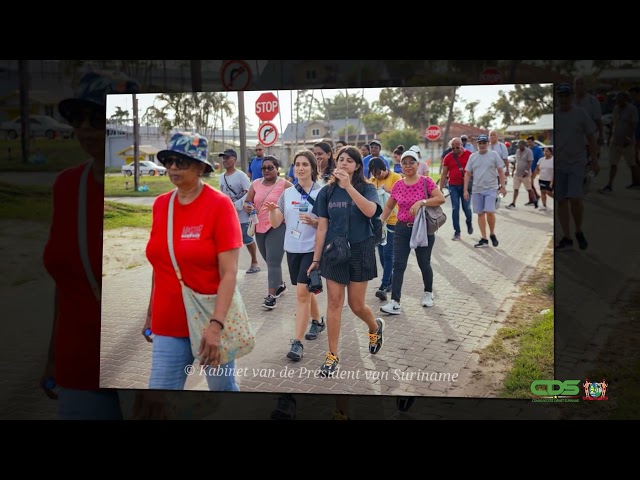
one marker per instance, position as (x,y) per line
(304,205)
(254,214)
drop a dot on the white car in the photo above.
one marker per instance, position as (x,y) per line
(146,168)
(39,126)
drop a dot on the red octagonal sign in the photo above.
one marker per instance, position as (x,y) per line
(433,132)
(267,106)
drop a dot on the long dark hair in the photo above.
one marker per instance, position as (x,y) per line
(312,161)
(331,163)
(357,180)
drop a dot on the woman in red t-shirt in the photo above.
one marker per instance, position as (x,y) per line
(73,258)
(206,241)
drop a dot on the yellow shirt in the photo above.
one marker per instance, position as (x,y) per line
(388,182)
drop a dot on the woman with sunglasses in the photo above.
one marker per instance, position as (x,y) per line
(409,195)
(345,207)
(206,243)
(73,258)
(270,240)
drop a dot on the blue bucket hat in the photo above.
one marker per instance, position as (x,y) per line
(93,89)
(192,146)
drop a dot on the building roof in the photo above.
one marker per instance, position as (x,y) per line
(143,149)
(289,134)
(545,122)
(457,129)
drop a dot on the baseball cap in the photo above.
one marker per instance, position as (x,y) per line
(464,137)
(228,152)
(483,138)
(375,142)
(564,88)
(188,145)
(410,153)
(415,148)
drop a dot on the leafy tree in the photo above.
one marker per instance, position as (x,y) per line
(407,137)
(345,105)
(120,116)
(523,104)
(417,106)
(376,122)
(471,108)
(351,129)
(307,106)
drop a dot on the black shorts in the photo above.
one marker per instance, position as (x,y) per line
(299,263)
(361,268)
(545,185)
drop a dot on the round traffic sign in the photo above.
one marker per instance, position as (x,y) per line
(236,75)
(267,134)
(267,107)
(433,132)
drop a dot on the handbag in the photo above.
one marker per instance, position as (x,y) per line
(237,338)
(338,250)
(435,216)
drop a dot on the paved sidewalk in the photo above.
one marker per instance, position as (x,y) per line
(472,290)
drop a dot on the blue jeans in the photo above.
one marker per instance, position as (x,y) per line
(172,361)
(88,404)
(386,257)
(457,196)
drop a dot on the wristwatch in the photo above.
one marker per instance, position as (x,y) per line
(424,203)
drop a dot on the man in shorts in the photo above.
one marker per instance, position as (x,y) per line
(486,166)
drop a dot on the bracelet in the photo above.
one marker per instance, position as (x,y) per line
(218,322)
(316,261)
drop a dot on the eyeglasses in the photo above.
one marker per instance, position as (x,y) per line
(180,162)
(267,168)
(258,149)
(96,117)
(409,163)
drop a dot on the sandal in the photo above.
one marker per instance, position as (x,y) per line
(253,269)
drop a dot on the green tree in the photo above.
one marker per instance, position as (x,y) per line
(417,107)
(471,108)
(120,116)
(407,137)
(351,129)
(376,122)
(307,106)
(345,105)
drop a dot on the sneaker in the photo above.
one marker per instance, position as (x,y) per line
(381,293)
(511,206)
(456,236)
(564,244)
(529,204)
(582,242)
(315,328)
(535,204)
(482,243)
(427,299)
(339,415)
(330,365)
(469,229)
(405,403)
(376,339)
(607,189)
(285,408)
(392,308)
(543,208)
(281,289)
(494,240)
(295,353)
(269,302)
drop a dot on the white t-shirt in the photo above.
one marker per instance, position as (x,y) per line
(299,237)
(546,169)
(500,148)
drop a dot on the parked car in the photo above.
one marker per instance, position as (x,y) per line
(39,126)
(146,168)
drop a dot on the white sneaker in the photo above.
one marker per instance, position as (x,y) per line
(543,208)
(427,300)
(392,308)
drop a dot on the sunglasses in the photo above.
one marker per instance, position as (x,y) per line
(180,162)
(268,168)
(96,117)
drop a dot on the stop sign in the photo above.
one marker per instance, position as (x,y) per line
(267,106)
(433,132)
(491,76)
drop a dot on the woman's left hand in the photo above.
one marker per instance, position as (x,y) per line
(415,208)
(209,350)
(270,206)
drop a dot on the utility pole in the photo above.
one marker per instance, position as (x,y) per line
(23,73)
(243,132)
(136,146)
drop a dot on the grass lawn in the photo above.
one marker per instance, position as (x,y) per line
(25,202)
(59,154)
(116,185)
(119,215)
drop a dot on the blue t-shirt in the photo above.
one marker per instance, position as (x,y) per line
(365,163)
(255,167)
(537,155)
(291,175)
(336,208)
